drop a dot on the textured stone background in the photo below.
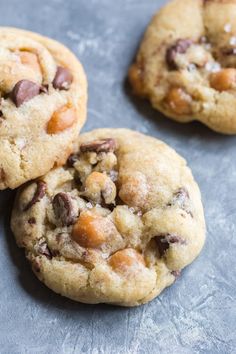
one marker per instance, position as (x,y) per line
(196,315)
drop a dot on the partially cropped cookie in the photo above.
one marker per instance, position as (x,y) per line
(43,92)
(117,224)
(186,65)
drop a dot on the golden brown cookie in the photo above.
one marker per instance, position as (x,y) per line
(43,92)
(186,65)
(116,224)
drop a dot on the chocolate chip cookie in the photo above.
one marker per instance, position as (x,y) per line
(116,224)
(43,92)
(186,65)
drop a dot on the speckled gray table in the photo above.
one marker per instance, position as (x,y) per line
(196,315)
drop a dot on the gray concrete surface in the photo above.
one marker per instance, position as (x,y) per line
(196,315)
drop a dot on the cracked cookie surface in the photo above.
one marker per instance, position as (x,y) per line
(186,65)
(116,224)
(43,92)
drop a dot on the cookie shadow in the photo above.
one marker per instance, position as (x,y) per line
(37,291)
(29,282)
(169,126)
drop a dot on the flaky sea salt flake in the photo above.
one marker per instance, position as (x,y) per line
(192,67)
(89,205)
(212,67)
(232,40)
(227,28)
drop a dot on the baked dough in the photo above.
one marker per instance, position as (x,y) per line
(43,92)
(186,65)
(117,224)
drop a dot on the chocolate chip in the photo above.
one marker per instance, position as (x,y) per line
(43,249)
(181,198)
(63,209)
(38,195)
(72,160)
(32,221)
(176,273)
(78,181)
(163,242)
(5,95)
(181,46)
(102,145)
(228,51)
(24,91)
(62,79)
(44,88)
(111,207)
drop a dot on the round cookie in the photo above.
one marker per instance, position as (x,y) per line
(186,65)
(43,92)
(117,224)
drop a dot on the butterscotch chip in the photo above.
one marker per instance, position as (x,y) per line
(88,232)
(39,76)
(31,60)
(62,119)
(116,240)
(128,258)
(186,63)
(223,80)
(100,188)
(179,101)
(136,78)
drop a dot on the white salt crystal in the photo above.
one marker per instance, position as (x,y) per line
(212,66)
(232,41)
(227,27)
